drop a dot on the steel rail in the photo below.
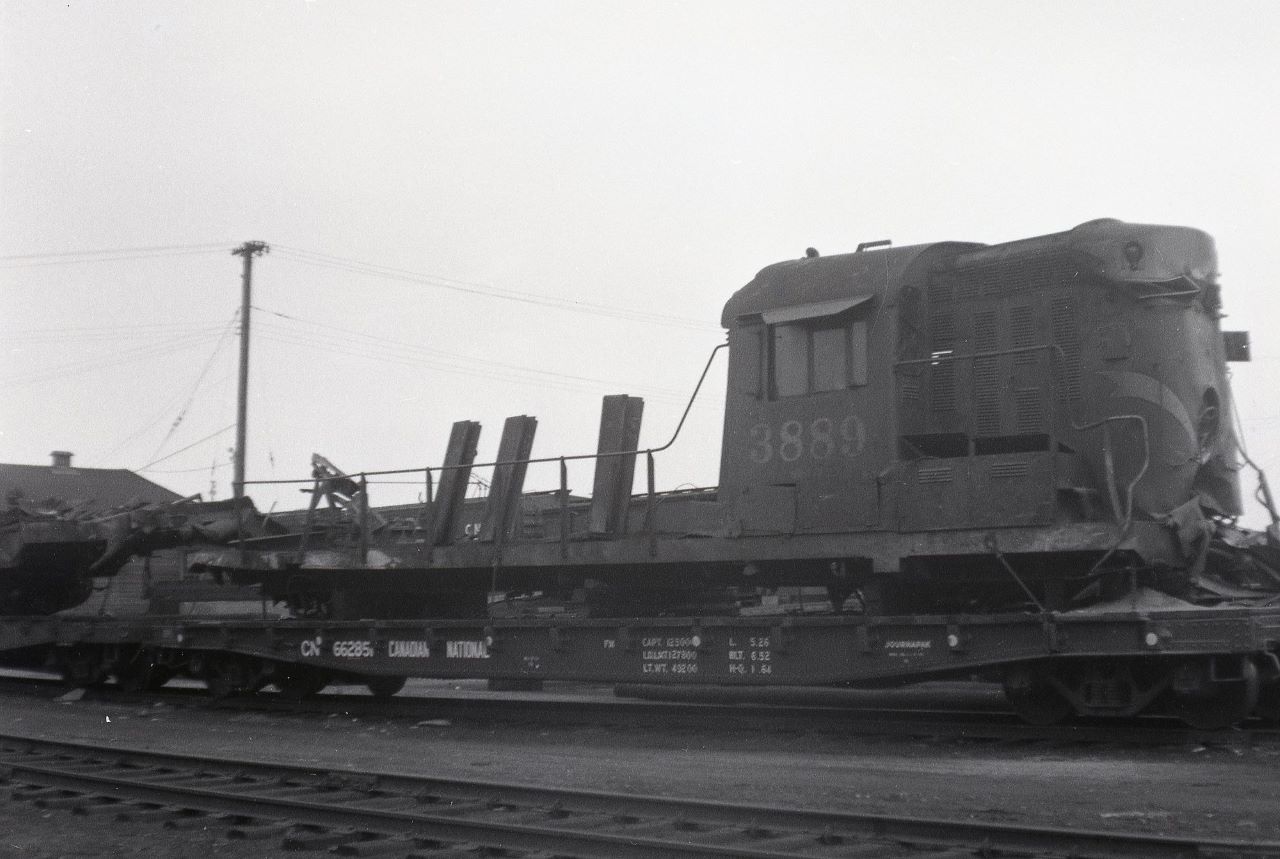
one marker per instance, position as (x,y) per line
(641,706)
(381,805)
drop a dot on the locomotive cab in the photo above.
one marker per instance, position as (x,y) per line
(809,421)
(1048,393)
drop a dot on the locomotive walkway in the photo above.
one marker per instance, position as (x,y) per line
(372,813)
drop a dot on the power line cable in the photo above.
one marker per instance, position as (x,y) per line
(118,255)
(217,348)
(502,373)
(329,346)
(166,409)
(137,327)
(473,288)
(370,341)
(397,347)
(187,448)
(203,247)
(35,337)
(86,365)
(204,468)
(85,260)
(317,258)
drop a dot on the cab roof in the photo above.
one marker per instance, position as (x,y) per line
(1112,249)
(822,279)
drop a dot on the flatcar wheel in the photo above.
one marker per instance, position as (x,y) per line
(384,687)
(158,677)
(1211,703)
(1033,697)
(1268,707)
(226,678)
(297,683)
(83,667)
(141,675)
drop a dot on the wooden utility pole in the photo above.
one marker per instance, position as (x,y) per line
(248,251)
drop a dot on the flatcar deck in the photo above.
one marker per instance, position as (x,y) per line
(780,650)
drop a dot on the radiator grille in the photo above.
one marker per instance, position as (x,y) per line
(986,396)
(934,474)
(1022,332)
(1066,336)
(1006,470)
(1029,412)
(1016,277)
(942,384)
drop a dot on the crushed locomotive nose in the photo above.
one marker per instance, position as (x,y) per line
(51,550)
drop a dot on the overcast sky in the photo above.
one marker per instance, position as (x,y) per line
(485,209)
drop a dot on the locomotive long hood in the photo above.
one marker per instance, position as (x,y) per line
(1115,250)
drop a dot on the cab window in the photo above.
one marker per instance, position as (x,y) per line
(808,358)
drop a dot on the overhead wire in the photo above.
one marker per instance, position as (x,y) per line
(98,251)
(199,441)
(399,350)
(315,258)
(80,366)
(87,260)
(405,355)
(214,467)
(166,409)
(217,348)
(173,338)
(299,339)
(93,334)
(109,254)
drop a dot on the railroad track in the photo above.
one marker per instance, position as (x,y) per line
(941,723)
(370,813)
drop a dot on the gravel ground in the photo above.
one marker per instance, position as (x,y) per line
(1228,793)
(31,833)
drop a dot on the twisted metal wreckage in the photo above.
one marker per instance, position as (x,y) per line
(51,551)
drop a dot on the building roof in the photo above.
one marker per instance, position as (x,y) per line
(97,488)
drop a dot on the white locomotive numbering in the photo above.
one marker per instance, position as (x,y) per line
(820,440)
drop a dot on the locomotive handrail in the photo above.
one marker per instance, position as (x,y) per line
(1127,522)
(1110,465)
(1194,291)
(1058,359)
(427,472)
(530,461)
(973,355)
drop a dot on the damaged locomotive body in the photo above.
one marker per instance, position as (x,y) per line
(1000,422)
(936,428)
(50,554)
